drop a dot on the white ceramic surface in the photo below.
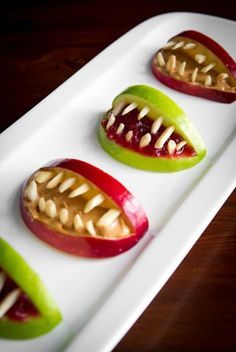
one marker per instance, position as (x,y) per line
(101,299)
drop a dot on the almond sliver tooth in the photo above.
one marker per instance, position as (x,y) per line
(65,185)
(156,125)
(54,182)
(111,121)
(180,145)
(129,108)
(194,75)
(51,209)
(118,108)
(143,112)
(9,302)
(90,228)
(64,215)
(208,81)
(78,222)
(42,204)
(43,176)
(169,44)
(189,46)
(181,68)
(94,202)
(79,190)
(32,191)
(120,128)
(145,140)
(200,58)
(129,136)
(164,136)
(160,59)
(108,218)
(171,146)
(2,280)
(171,63)
(178,45)
(222,76)
(208,67)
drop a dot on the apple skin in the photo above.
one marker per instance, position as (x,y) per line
(16,267)
(173,115)
(87,246)
(188,88)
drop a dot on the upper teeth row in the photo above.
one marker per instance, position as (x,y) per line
(49,208)
(176,45)
(44,176)
(146,138)
(10,299)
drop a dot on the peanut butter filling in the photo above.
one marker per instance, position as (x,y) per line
(70,204)
(189,61)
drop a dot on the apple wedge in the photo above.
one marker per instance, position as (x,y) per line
(195,64)
(146,129)
(26,308)
(79,209)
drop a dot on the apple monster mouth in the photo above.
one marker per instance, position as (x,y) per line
(14,302)
(27,310)
(79,209)
(195,64)
(72,205)
(145,129)
(134,129)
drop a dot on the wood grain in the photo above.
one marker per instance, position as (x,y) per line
(44,43)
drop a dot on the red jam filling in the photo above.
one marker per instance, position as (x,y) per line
(23,309)
(140,128)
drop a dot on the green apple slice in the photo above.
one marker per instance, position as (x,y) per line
(146,129)
(15,270)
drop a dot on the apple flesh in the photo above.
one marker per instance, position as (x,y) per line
(33,312)
(195,64)
(95,216)
(147,130)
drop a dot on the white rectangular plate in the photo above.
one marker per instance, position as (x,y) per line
(101,299)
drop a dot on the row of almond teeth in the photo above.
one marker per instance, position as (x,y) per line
(176,45)
(49,208)
(146,139)
(44,176)
(10,299)
(171,67)
(199,58)
(126,110)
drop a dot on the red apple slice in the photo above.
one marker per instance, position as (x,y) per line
(195,64)
(79,209)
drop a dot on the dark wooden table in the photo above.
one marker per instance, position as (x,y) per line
(42,44)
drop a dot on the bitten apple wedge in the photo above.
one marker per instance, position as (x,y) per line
(26,308)
(79,209)
(195,64)
(146,129)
